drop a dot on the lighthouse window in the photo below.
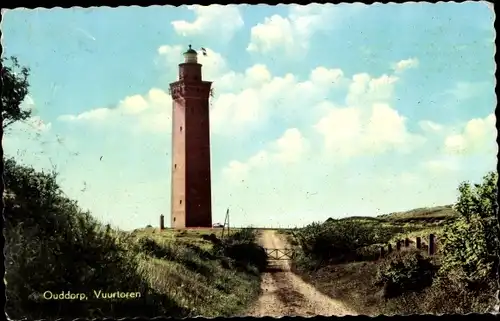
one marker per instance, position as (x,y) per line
(181,128)
(175,166)
(180,202)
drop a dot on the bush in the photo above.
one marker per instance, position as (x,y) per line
(244,235)
(470,245)
(185,254)
(51,245)
(242,247)
(369,253)
(335,240)
(405,271)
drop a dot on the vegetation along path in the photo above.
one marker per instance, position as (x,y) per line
(286,294)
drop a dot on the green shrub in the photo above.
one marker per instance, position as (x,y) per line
(335,240)
(369,253)
(51,245)
(246,235)
(405,271)
(176,251)
(470,244)
(242,247)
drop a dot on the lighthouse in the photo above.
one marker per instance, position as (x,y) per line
(191,195)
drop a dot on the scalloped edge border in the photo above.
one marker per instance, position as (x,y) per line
(84,4)
(21,4)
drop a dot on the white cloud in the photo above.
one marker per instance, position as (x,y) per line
(250,98)
(97,114)
(214,65)
(405,64)
(292,33)
(254,97)
(338,128)
(38,124)
(243,99)
(351,131)
(35,122)
(151,112)
(430,126)
(217,21)
(367,125)
(478,136)
(324,76)
(290,148)
(365,90)
(467,150)
(441,165)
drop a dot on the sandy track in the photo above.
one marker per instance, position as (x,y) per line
(286,294)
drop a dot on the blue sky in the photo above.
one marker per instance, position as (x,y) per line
(319,111)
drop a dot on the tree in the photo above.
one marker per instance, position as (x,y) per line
(14,91)
(471,243)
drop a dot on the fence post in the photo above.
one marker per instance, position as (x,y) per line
(419,242)
(162,222)
(432,244)
(389,248)
(382,252)
(398,245)
(407,242)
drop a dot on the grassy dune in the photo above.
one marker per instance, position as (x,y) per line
(355,281)
(52,245)
(184,268)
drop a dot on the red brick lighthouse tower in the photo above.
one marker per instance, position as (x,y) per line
(191,183)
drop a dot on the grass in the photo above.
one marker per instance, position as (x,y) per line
(425,215)
(400,225)
(189,236)
(355,282)
(184,268)
(181,274)
(53,245)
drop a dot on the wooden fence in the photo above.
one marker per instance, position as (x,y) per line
(407,243)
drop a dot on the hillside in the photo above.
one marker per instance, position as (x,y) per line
(186,266)
(349,259)
(53,245)
(424,214)
(408,224)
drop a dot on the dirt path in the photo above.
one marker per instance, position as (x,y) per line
(285,294)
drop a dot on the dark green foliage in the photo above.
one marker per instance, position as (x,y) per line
(369,253)
(14,90)
(335,240)
(242,247)
(470,245)
(52,245)
(460,278)
(405,271)
(176,251)
(428,215)
(245,235)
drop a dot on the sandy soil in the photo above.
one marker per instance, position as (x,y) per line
(286,294)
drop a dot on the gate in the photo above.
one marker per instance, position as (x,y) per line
(280,254)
